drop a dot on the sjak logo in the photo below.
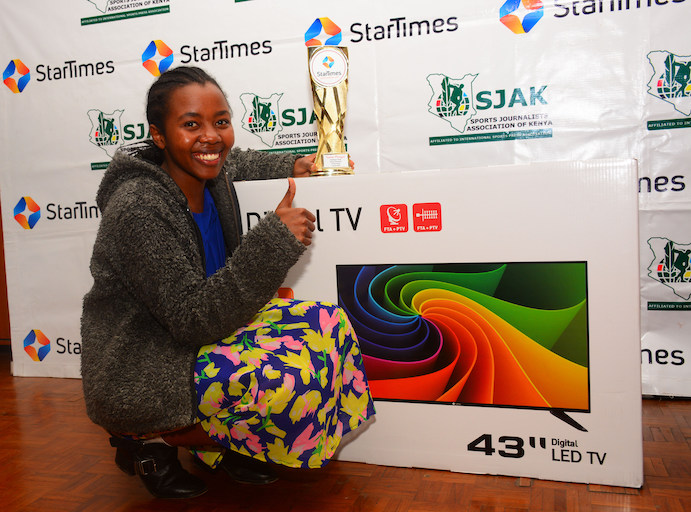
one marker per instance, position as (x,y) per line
(27,212)
(455,101)
(16,75)
(157,57)
(106,130)
(671,79)
(520,16)
(452,99)
(36,345)
(671,265)
(323,32)
(262,116)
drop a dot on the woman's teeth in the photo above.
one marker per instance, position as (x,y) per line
(208,156)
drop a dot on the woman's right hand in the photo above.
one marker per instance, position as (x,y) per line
(300,221)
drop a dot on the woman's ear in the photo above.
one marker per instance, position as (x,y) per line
(157,136)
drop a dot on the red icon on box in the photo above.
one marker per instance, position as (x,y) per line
(427,217)
(394,218)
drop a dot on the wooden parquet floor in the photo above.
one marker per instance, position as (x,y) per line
(52,458)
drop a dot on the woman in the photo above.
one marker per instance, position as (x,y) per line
(173,275)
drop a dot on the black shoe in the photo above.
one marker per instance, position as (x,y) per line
(158,468)
(245,470)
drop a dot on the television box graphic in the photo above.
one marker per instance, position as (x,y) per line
(506,334)
(548,256)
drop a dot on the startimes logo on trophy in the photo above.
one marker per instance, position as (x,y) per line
(328,68)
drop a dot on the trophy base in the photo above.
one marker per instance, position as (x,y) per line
(332,172)
(332,164)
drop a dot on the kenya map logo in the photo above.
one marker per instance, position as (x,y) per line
(106,130)
(262,116)
(106,6)
(671,79)
(452,99)
(119,10)
(671,265)
(101,5)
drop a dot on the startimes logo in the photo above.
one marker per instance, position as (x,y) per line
(520,16)
(323,32)
(36,345)
(16,76)
(578,7)
(27,212)
(157,57)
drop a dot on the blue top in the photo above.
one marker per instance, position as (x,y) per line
(212,235)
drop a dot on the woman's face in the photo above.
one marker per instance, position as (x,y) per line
(197,134)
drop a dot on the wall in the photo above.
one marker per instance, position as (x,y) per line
(442,85)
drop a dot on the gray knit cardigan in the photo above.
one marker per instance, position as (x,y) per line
(151,306)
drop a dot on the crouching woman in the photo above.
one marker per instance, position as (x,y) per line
(183,342)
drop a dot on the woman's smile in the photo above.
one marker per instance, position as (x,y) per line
(208,158)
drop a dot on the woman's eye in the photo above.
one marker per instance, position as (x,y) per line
(190,124)
(224,122)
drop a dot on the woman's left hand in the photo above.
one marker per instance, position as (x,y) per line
(305,166)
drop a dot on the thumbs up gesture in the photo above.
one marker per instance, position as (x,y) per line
(300,221)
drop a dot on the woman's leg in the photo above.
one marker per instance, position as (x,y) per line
(287,386)
(240,468)
(158,467)
(189,436)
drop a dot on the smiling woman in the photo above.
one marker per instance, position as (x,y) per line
(183,343)
(195,137)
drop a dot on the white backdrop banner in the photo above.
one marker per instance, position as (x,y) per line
(432,85)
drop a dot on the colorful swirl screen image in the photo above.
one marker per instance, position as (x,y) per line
(501,334)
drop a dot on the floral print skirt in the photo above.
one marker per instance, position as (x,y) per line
(286,387)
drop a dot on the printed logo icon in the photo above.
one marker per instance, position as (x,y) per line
(16,76)
(36,345)
(394,218)
(262,116)
(101,5)
(520,16)
(427,217)
(106,130)
(323,32)
(671,79)
(120,10)
(328,66)
(671,265)
(488,115)
(451,99)
(27,212)
(157,57)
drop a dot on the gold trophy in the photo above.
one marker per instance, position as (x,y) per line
(328,68)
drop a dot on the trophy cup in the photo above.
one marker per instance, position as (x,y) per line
(328,68)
